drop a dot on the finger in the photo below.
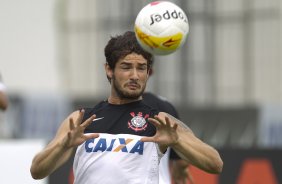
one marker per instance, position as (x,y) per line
(174,126)
(147,139)
(80,117)
(168,121)
(87,122)
(92,136)
(71,124)
(155,122)
(160,120)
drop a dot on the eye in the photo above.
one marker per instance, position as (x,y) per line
(143,67)
(125,67)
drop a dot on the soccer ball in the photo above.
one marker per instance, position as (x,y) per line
(161,27)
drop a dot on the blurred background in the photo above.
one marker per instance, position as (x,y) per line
(226,80)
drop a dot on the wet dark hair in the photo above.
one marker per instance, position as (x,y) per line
(121,45)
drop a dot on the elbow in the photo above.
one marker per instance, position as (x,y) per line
(216,167)
(4,106)
(35,174)
(3,101)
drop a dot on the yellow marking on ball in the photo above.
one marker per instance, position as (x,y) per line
(166,43)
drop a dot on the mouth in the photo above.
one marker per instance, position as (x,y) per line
(133,86)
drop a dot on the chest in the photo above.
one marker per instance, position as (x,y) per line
(122,121)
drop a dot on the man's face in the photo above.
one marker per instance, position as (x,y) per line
(130,76)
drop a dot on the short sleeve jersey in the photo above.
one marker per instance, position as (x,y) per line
(118,155)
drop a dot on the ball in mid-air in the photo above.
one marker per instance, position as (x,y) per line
(161,27)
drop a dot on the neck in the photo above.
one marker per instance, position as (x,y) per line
(119,101)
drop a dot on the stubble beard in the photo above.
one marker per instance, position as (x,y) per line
(123,94)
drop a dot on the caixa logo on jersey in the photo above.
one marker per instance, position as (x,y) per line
(125,145)
(138,122)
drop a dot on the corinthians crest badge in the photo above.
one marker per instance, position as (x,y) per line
(138,122)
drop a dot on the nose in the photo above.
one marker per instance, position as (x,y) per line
(134,74)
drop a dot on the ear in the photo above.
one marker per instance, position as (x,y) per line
(151,71)
(109,71)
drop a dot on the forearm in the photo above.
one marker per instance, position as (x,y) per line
(197,153)
(193,150)
(69,136)
(45,162)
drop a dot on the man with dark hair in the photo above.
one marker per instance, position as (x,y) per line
(121,139)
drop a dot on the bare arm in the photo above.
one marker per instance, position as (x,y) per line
(58,151)
(196,152)
(3,100)
(173,133)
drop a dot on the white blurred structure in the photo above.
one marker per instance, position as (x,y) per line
(28,46)
(16,157)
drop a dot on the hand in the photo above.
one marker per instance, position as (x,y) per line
(166,134)
(76,135)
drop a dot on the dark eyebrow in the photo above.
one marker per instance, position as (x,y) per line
(143,65)
(125,63)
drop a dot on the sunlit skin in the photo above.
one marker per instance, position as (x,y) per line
(128,79)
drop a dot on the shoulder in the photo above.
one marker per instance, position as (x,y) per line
(89,111)
(160,103)
(153,100)
(150,96)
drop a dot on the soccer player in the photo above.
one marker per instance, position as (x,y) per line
(121,140)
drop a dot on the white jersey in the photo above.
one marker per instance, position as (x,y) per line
(164,173)
(118,156)
(121,159)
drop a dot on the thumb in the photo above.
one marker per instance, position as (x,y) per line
(92,136)
(147,139)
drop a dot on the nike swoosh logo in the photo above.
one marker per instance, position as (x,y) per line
(97,119)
